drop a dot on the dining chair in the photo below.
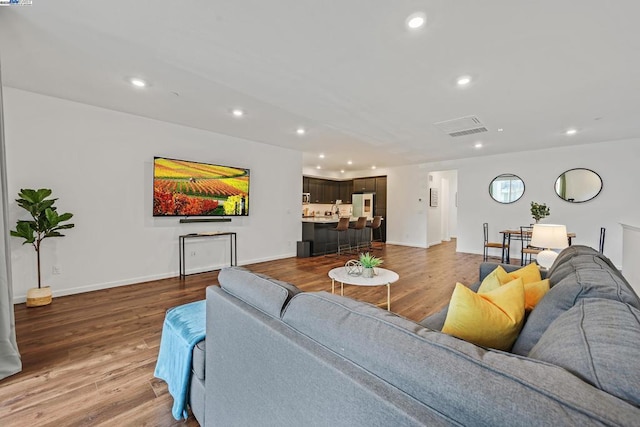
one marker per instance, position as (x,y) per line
(489,245)
(602,233)
(527,250)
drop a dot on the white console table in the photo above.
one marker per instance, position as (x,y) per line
(630,252)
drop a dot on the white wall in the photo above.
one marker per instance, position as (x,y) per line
(407,205)
(99,164)
(615,161)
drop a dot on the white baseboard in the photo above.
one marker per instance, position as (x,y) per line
(19,299)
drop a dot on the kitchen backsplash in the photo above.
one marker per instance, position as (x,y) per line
(319,209)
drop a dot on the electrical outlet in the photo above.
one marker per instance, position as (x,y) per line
(55,269)
(192,253)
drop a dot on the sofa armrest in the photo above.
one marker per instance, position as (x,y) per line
(435,322)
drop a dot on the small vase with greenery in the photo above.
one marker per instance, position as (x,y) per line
(368,262)
(45,222)
(539,211)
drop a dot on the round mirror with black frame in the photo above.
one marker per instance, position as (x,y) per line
(578,185)
(506,188)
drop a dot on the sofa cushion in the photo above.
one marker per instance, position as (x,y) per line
(467,384)
(569,252)
(599,341)
(262,292)
(583,283)
(198,359)
(490,319)
(577,255)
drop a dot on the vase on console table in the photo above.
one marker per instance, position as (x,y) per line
(367,272)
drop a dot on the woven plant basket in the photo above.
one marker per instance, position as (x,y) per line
(37,297)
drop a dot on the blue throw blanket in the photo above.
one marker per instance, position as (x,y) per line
(184,326)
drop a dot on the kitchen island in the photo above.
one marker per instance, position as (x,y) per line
(316,230)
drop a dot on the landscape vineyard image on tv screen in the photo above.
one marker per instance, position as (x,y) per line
(184,188)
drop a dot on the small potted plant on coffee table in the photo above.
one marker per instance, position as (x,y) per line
(368,262)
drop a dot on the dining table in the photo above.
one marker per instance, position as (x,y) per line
(517,235)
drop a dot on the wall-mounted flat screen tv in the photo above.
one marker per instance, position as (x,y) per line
(185,188)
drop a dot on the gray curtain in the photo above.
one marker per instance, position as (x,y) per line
(10,362)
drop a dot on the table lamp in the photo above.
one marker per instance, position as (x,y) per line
(548,237)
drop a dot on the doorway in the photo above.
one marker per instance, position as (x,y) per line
(442,216)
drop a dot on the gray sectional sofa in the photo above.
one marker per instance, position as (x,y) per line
(276,356)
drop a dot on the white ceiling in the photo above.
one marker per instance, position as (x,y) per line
(365,87)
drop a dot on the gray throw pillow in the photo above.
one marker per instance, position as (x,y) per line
(581,284)
(258,290)
(597,340)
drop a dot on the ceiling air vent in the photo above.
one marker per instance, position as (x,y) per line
(462,126)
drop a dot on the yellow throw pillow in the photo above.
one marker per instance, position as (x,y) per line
(494,280)
(492,319)
(533,293)
(529,274)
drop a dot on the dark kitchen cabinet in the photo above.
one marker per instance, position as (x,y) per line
(381,193)
(364,185)
(331,191)
(327,191)
(346,189)
(321,190)
(316,190)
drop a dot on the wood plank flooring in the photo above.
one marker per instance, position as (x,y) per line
(88,359)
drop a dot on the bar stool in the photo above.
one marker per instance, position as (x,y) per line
(375,225)
(342,227)
(358,230)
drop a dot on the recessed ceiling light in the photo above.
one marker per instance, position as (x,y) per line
(137,82)
(373,167)
(300,131)
(500,130)
(416,20)
(463,80)
(341,170)
(321,156)
(571,132)
(478,145)
(349,162)
(237,112)
(318,167)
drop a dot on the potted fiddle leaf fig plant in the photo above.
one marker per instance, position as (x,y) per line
(45,222)
(368,262)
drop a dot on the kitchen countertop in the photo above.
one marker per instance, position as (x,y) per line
(326,219)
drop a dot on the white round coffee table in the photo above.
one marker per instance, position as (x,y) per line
(382,277)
